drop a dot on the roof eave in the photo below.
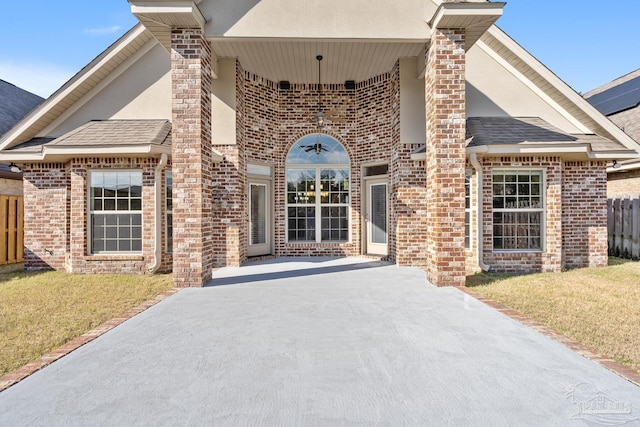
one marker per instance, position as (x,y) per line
(475,18)
(63,154)
(583,151)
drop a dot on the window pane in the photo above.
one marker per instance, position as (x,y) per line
(304,219)
(122,205)
(114,233)
(318,150)
(335,217)
(517,230)
(301,185)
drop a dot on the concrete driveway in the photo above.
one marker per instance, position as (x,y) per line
(321,342)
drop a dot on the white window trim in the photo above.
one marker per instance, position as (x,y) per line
(470,209)
(90,212)
(318,216)
(168,248)
(542,210)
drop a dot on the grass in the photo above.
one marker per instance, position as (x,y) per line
(42,311)
(598,307)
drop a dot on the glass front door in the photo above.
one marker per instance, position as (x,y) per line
(259,218)
(377,218)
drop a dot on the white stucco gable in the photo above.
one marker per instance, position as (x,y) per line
(139,89)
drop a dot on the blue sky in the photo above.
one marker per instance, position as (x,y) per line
(586,43)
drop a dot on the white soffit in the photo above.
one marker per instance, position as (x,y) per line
(160,17)
(475,17)
(295,61)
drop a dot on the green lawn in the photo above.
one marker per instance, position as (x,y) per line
(598,307)
(42,311)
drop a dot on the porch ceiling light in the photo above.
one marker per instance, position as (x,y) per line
(14,168)
(320,119)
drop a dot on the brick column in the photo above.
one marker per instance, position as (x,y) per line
(191,157)
(445,162)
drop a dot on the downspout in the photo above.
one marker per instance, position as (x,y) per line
(157,220)
(473,158)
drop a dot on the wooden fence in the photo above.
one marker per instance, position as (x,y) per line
(11,229)
(624,227)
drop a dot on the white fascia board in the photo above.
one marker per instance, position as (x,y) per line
(546,150)
(8,140)
(488,10)
(177,8)
(53,153)
(564,89)
(21,157)
(105,150)
(66,153)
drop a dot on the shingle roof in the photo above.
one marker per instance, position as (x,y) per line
(103,133)
(529,131)
(16,103)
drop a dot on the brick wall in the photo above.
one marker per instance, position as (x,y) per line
(584,214)
(575,216)
(549,260)
(192,165)
(79,259)
(271,121)
(445,162)
(623,183)
(46,215)
(56,218)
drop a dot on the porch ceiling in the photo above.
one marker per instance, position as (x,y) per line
(295,61)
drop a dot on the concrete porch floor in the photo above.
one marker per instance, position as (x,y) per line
(320,342)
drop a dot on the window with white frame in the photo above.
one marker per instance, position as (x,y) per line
(518,210)
(318,171)
(169,210)
(467,209)
(115,211)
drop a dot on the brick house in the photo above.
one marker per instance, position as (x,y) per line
(619,100)
(216,131)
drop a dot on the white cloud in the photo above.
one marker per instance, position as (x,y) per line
(40,78)
(103,31)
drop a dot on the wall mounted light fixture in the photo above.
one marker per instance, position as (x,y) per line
(14,168)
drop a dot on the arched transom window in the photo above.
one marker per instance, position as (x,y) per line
(318,170)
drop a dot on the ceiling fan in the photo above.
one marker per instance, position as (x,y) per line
(317,147)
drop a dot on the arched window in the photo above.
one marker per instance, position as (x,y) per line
(318,169)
